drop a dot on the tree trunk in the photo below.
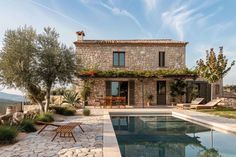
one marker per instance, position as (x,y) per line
(47,99)
(212,90)
(41,107)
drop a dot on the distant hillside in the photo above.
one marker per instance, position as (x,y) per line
(4,102)
(5,97)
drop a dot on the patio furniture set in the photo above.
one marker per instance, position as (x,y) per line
(109,101)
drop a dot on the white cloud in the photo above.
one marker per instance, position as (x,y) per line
(11,91)
(179,17)
(150,4)
(59,13)
(122,12)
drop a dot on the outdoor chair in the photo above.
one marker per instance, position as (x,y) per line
(193,102)
(55,125)
(108,101)
(209,105)
(66,129)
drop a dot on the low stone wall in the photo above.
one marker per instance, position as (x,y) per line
(30,107)
(229,102)
(3,107)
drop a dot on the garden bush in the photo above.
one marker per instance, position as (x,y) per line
(45,117)
(27,125)
(66,111)
(69,112)
(7,134)
(86,112)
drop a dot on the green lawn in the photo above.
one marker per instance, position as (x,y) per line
(224,112)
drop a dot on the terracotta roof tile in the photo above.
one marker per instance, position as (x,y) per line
(155,41)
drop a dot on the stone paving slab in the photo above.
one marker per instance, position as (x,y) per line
(89,143)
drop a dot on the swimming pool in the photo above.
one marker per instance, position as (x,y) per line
(168,136)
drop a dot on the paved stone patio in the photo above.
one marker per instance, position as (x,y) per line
(89,143)
(92,143)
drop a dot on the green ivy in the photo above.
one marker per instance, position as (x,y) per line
(135,73)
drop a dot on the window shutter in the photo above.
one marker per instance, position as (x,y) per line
(131,92)
(108,88)
(161,59)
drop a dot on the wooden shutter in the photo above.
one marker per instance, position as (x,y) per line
(108,88)
(208,98)
(161,59)
(205,92)
(131,92)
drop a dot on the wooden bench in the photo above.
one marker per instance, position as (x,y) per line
(67,129)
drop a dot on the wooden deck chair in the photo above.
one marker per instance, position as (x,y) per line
(209,105)
(55,125)
(193,102)
(66,129)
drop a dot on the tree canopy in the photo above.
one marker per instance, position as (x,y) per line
(35,62)
(215,67)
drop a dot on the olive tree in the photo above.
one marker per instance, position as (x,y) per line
(35,62)
(55,62)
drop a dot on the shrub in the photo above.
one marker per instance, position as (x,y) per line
(69,112)
(45,117)
(66,111)
(27,125)
(86,112)
(72,98)
(7,134)
(58,109)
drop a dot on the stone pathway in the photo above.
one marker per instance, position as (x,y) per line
(89,143)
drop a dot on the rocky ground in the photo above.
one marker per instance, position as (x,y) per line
(89,143)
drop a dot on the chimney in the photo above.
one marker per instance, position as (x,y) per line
(221,49)
(80,35)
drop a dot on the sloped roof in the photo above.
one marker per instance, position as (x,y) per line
(151,41)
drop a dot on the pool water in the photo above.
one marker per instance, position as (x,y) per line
(168,136)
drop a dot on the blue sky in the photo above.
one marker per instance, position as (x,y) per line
(203,23)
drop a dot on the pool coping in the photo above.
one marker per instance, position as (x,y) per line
(110,144)
(221,124)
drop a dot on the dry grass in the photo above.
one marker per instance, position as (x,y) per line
(221,111)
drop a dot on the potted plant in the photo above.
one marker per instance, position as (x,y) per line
(177,88)
(85,93)
(149,98)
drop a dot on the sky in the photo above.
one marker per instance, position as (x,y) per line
(204,24)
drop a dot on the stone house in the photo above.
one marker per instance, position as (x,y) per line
(133,55)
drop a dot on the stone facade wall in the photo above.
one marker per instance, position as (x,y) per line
(137,57)
(98,89)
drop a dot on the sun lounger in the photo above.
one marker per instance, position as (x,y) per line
(55,125)
(209,105)
(193,102)
(66,130)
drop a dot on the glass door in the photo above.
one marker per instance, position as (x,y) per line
(161,92)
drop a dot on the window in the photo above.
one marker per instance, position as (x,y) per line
(118,59)
(119,88)
(161,59)
(115,88)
